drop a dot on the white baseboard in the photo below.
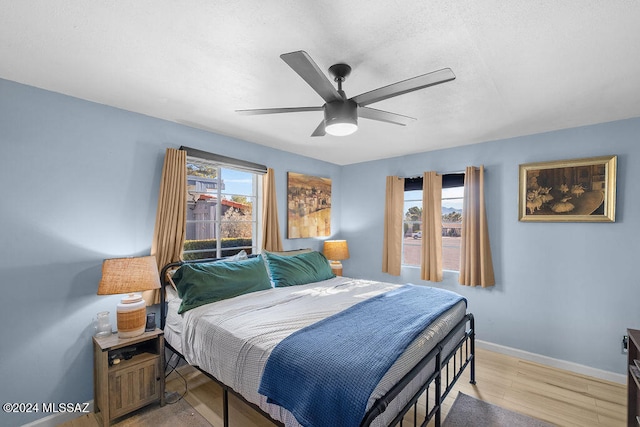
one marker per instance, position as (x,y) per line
(54,420)
(555,363)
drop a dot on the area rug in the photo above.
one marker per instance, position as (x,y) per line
(170,415)
(468,411)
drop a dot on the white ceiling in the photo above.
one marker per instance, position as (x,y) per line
(522,66)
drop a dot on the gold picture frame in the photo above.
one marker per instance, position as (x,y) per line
(580,190)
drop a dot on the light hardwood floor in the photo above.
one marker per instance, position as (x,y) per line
(553,395)
(557,396)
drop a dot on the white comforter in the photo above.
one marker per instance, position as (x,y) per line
(232,339)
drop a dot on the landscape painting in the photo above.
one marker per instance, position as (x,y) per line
(578,190)
(308,206)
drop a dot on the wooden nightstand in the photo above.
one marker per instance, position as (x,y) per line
(134,382)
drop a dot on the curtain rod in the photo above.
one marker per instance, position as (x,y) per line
(439,173)
(254,167)
(444,173)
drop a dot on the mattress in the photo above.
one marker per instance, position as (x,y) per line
(232,339)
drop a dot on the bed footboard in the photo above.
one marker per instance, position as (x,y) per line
(452,362)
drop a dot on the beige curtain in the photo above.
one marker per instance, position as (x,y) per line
(271,240)
(392,242)
(476,266)
(169,232)
(431,262)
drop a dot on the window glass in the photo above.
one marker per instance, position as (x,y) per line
(452,200)
(412,228)
(221,210)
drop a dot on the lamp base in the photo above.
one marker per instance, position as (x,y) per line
(131,314)
(336,267)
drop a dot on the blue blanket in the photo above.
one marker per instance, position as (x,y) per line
(324,373)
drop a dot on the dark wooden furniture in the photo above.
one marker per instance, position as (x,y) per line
(633,378)
(128,373)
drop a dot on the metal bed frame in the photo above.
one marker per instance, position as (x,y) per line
(451,366)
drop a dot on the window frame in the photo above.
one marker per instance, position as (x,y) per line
(414,184)
(222,164)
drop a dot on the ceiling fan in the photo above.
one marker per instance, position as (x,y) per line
(341,113)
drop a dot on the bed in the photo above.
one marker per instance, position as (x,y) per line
(304,347)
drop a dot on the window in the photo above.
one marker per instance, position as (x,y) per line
(223,201)
(452,198)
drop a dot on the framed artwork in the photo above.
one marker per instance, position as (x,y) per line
(308,206)
(580,190)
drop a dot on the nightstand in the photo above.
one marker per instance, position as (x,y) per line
(128,373)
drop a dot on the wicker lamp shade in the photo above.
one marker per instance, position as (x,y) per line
(126,276)
(336,251)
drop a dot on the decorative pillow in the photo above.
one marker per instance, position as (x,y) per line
(200,284)
(285,253)
(298,269)
(237,257)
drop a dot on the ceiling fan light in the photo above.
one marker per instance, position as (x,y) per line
(341,129)
(341,118)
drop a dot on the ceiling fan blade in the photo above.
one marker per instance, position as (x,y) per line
(277,110)
(302,64)
(384,116)
(405,86)
(319,130)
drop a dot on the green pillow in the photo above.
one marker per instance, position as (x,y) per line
(200,284)
(298,269)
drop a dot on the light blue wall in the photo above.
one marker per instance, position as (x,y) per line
(79,183)
(564,290)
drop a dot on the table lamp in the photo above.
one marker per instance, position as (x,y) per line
(128,276)
(336,251)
